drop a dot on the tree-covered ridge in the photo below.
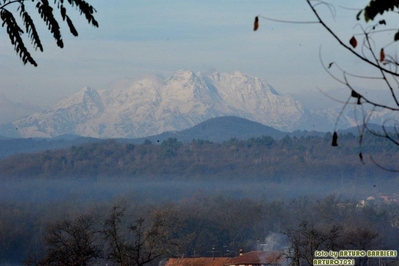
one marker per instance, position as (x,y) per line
(255,158)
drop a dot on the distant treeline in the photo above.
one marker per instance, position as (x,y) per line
(256,158)
(28,145)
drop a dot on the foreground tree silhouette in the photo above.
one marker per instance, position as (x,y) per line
(371,45)
(45,10)
(88,240)
(70,242)
(140,243)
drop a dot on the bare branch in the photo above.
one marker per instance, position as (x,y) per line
(346,46)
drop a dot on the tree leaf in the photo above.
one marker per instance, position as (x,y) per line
(376,7)
(361,157)
(86,9)
(71,26)
(353,42)
(334,139)
(14,33)
(382,55)
(31,28)
(46,13)
(256,23)
(396,38)
(354,94)
(358,14)
(63,12)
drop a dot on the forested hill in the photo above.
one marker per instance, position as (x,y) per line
(256,158)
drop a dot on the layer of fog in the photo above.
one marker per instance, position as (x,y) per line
(90,190)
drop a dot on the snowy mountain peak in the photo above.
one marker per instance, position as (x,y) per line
(83,95)
(183,73)
(182,77)
(148,106)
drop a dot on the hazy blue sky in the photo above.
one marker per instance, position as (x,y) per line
(160,37)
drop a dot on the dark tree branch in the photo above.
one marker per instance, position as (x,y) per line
(45,11)
(377,62)
(363,58)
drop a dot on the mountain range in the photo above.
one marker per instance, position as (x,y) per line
(152,105)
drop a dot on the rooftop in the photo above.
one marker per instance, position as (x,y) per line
(198,261)
(258,257)
(250,258)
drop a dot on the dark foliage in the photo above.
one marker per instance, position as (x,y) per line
(46,12)
(376,7)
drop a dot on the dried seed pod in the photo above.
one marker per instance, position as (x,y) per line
(256,23)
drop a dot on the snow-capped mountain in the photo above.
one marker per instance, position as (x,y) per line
(151,106)
(73,114)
